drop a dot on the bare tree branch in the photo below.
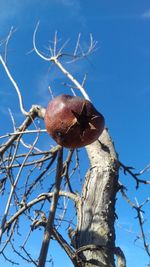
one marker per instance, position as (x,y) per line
(33,113)
(128,169)
(54,59)
(138,209)
(51,216)
(15,86)
(13,189)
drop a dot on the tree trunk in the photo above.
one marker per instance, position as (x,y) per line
(94,238)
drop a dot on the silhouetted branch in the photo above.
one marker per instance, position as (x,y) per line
(128,169)
(139,211)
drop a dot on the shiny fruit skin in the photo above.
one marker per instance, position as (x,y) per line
(72,121)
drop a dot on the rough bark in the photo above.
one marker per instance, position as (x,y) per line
(94,237)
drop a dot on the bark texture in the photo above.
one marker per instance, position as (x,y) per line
(94,237)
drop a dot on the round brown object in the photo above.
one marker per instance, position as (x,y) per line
(72,121)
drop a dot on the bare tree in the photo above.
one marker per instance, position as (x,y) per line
(27,190)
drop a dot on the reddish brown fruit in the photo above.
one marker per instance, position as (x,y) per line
(72,121)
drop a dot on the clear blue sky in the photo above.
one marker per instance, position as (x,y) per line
(118,79)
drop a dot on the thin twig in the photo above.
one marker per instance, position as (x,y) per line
(29,256)
(34,112)
(55,60)
(12,30)
(55,44)
(77,45)
(138,209)
(40,198)
(128,169)
(34,44)
(13,189)
(146,169)
(15,86)
(23,132)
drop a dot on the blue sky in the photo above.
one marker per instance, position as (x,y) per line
(118,79)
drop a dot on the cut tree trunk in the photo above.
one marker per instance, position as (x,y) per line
(94,238)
